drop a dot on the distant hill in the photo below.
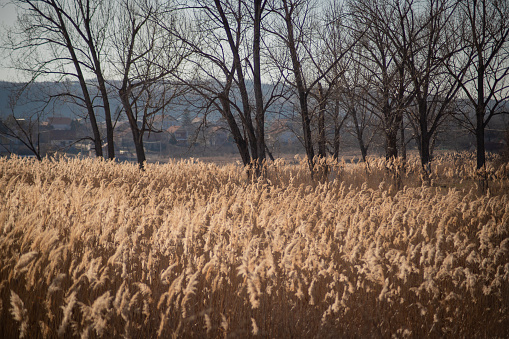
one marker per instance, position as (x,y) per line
(34,100)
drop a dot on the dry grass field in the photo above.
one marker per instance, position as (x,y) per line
(95,249)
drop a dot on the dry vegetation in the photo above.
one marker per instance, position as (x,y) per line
(91,248)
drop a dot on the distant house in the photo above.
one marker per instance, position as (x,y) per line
(162,122)
(61,138)
(217,136)
(180,134)
(15,132)
(59,123)
(154,137)
(122,136)
(198,121)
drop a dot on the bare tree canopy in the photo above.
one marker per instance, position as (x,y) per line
(61,40)
(369,68)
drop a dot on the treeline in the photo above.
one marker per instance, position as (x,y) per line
(376,67)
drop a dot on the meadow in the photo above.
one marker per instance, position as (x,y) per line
(95,249)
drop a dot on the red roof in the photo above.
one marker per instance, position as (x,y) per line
(173,129)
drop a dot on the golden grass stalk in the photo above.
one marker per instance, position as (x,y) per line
(19,313)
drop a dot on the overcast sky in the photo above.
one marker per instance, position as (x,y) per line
(7,19)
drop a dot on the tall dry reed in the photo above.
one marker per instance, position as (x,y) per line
(91,248)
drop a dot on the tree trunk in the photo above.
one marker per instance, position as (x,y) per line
(479,137)
(84,89)
(337,129)
(391,131)
(402,140)
(336,143)
(102,86)
(364,150)
(107,115)
(234,129)
(391,145)
(362,146)
(299,82)
(259,115)
(480,147)
(135,130)
(138,145)
(247,121)
(425,135)
(425,150)
(479,115)
(91,115)
(359,134)
(322,144)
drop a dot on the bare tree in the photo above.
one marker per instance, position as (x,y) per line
(425,27)
(236,13)
(62,39)
(258,13)
(212,74)
(354,100)
(348,80)
(331,41)
(228,65)
(383,51)
(147,58)
(482,66)
(295,26)
(93,34)
(293,14)
(23,128)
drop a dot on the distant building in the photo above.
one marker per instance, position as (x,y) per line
(59,123)
(217,136)
(59,138)
(179,133)
(162,122)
